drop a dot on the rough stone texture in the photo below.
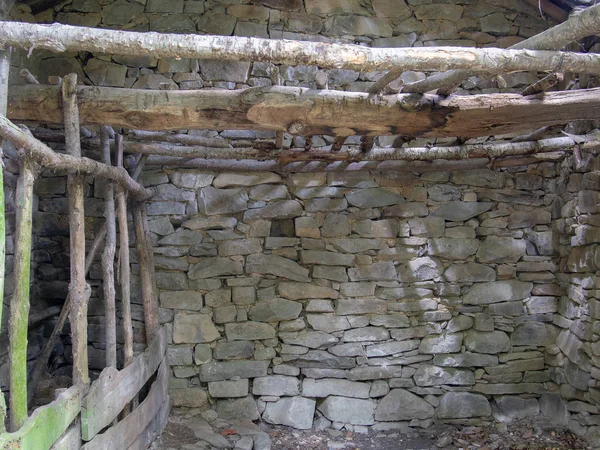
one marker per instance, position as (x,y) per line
(194,328)
(497,291)
(492,342)
(295,412)
(275,310)
(461,211)
(277,385)
(348,410)
(213,201)
(460,405)
(401,404)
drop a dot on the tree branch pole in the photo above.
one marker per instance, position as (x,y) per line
(124,268)
(4,72)
(48,159)
(79,290)
(302,111)
(108,259)
(576,27)
(19,305)
(65,38)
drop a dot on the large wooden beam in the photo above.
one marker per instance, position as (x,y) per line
(48,159)
(303,111)
(64,38)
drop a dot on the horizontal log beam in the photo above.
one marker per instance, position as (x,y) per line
(48,159)
(302,111)
(65,38)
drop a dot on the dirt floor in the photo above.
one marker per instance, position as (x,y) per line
(536,434)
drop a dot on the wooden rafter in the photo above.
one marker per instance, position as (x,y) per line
(63,38)
(302,111)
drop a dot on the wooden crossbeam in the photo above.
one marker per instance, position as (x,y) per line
(64,38)
(303,111)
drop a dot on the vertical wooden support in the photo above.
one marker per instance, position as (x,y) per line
(124,269)
(108,258)
(19,306)
(147,280)
(78,288)
(4,69)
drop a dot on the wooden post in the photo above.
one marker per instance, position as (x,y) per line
(108,259)
(4,69)
(124,269)
(19,306)
(147,280)
(78,288)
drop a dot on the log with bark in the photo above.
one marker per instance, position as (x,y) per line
(303,111)
(49,159)
(579,25)
(79,290)
(65,38)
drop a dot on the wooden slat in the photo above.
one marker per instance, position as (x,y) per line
(71,439)
(110,393)
(154,428)
(47,423)
(126,433)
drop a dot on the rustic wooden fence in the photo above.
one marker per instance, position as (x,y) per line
(83,417)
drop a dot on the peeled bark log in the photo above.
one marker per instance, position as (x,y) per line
(19,305)
(78,288)
(579,25)
(302,111)
(48,159)
(183,139)
(124,268)
(65,38)
(108,259)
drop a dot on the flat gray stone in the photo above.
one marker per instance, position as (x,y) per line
(276,265)
(534,333)
(462,405)
(452,248)
(268,192)
(420,269)
(461,211)
(215,267)
(400,404)
(348,410)
(240,247)
(360,306)
(435,376)
(514,407)
(213,201)
(444,343)
(193,329)
(373,198)
(466,359)
(189,300)
(378,271)
(283,209)
(228,389)
(326,258)
(276,385)
(311,339)
(357,245)
(491,342)
(295,412)
(479,177)
(234,71)
(182,237)
(299,291)
(470,272)
(498,249)
(327,323)
(391,348)
(275,310)
(366,334)
(331,386)
(224,180)
(497,291)
(249,331)
(219,371)
(234,350)
(104,73)
(237,409)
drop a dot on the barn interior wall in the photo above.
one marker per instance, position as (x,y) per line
(393,299)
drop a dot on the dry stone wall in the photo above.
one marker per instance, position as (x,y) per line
(358,299)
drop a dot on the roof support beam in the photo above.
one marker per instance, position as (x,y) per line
(63,38)
(302,111)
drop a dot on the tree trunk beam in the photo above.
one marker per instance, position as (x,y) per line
(183,139)
(64,38)
(301,111)
(48,159)
(580,25)
(79,290)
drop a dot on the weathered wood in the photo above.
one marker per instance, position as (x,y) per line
(183,139)
(543,85)
(586,23)
(154,428)
(486,150)
(64,38)
(146,262)
(124,268)
(19,305)
(48,159)
(28,77)
(110,393)
(379,86)
(303,111)
(47,423)
(42,361)
(125,433)
(4,74)
(108,259)
(71,439)
(78,288)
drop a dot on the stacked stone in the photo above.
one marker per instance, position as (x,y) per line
(575,356)
(380,23)
(357,299)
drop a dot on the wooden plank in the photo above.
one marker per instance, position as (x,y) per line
(110,393)
(71,439)
(126,432)
(302,111)
(47,423)
(154,428)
